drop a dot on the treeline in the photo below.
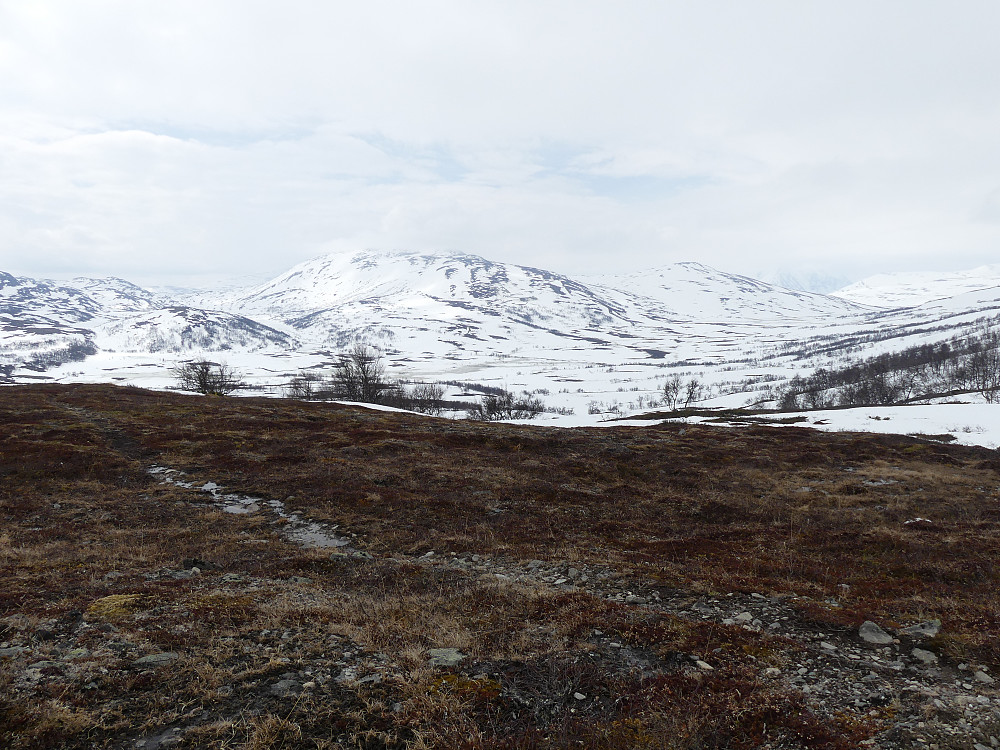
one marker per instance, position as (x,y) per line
(965,364)
(359,376)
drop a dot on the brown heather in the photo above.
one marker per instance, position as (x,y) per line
(812,519)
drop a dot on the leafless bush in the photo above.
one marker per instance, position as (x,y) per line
(208,378)
(495,407)
(306,386)
(359,375)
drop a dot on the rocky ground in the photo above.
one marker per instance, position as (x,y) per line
(211,616)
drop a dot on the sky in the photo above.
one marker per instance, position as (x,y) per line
(185,142)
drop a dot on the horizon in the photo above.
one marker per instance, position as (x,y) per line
(229,281)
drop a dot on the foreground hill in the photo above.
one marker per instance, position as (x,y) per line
(221,573)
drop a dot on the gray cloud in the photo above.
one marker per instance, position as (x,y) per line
(182,139)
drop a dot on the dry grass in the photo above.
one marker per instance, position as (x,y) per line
(777,511)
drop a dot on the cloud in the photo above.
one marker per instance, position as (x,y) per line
(159,140)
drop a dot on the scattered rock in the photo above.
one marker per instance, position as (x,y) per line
(46,664)
(196,562)
(927,657)
(984,678)
(704,665)
(927,629)
(9,653)
(156,660)
(872,633)
(579,696)
(284,688)
(445,657)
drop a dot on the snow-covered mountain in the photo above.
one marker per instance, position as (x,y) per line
(47,323)
(114,295)
(805,281)
(453,316)
(446,285)
(181,329)
(916,288)
(693,291)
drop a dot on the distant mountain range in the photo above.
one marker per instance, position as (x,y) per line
(911,289)
(452,306)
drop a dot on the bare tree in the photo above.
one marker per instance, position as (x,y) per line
(359,375)
(505,405)
(208,378)
(692,392)
(984,365)
(304,386)
(426,398)
(672,391)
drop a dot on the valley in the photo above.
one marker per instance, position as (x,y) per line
(599,347)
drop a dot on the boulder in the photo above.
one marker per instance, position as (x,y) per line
(872,633)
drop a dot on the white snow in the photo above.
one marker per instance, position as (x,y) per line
(599,347)
(908,289)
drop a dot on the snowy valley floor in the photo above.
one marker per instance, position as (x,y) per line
(485,586)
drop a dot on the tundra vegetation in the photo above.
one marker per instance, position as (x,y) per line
(967,364)
(359,376)
(500,586)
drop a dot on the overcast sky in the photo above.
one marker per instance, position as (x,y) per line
(178,141)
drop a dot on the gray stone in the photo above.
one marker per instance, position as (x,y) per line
(45,664)
(743,617)
(872,633)
(231,578)
(157,660)
(8,653)
(300,579)
(984,678)
(704,665)
(927,629)
(77,653)
(927,657)
(445,657)
(283,688)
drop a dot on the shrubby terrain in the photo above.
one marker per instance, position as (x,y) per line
(394,581)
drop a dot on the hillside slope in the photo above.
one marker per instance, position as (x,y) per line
(254,572)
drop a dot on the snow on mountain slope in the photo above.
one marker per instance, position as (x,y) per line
(911,289)
(45,323)
(454,306)
(185,329)
(814,281)
(423,282)
(36,299)
(114,295)
(693,291)
(432,305)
